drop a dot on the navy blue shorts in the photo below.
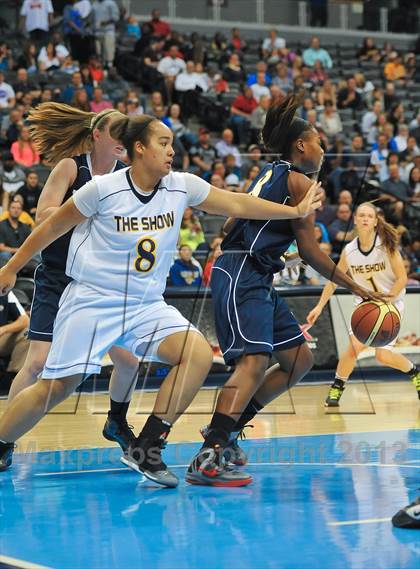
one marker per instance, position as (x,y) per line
(49,286)
(251,317)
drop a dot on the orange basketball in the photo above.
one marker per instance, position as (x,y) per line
(375,324)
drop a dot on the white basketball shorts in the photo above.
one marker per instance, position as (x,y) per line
(89,323)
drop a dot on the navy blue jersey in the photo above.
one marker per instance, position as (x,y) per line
(265,241)
(55,255)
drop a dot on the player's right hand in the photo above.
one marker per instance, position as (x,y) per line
(313,315)
(371,294)
(7,280)
(311,202)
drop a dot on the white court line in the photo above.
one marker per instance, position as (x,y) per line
(20,563)
(358,522)
(338,464)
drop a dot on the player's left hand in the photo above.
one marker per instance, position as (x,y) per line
(292,261)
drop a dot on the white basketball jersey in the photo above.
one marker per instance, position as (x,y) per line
(128,243)
(372,269)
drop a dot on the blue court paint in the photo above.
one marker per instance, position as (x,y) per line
(83,509)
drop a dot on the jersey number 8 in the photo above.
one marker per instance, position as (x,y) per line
(146,257)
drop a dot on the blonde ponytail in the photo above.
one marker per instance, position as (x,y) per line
(60,131)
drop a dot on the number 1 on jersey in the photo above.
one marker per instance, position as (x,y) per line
(146,257)
(372,282)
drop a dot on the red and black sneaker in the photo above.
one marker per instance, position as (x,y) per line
(209,469)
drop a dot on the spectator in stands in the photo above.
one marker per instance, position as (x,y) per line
(81,100)
(415,128)
(379,157)
(414,183)
(184,272)
(236,42)
(390,98)
(283,78)
(215,252)
(234,72)
(24,85)
(11,125)
(12,232)
(317,74)
(402,137)
(252,173)
(231,167)
(30,193)
(253,158)
(28,59)
(135,108)
(348,97)
(181,160)
(12,177)
(218,181)
(6,57)
(14,323)
(203,154)
(327,92)
(76,83)
(75,32)
(42,170)
(96,70)
(395,186)
(369,119)
(272,45)
(105,16)
(394,70)
(326,214)
(170,66)
(47,58)
(114,85)
(330,120)
(260,88)
(189,80)
(341,229)
(261,67)
(311,276)
(218,47)
(24,216)
(7,93)
(396,117)
(98,103)
(241,110)
(36,19)
(23,150)
(226,146)
(345,197)
(315,52)
(191,232)
(411,151)
(160,27)
(368,51)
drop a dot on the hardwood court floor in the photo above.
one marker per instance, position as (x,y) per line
(373,407)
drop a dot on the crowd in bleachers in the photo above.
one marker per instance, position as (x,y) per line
(214,92)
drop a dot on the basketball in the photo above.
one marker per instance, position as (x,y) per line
(375,324)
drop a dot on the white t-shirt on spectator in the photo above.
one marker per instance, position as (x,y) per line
(84,7)
(189,81)
(36,13)
(170,66)
(43,58)
(279,43)
(6,92)
(259,91)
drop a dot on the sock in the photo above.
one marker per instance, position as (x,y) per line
(155,429)
(219,430)
(248,414)
(412,371)
(118,411)
(338,382)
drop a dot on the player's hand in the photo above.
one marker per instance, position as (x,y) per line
(292,261)
(371,294)
(7,280)
(311,202)
(313,315)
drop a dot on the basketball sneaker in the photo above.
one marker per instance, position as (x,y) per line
(408,517)
(415,378)
(6,454)
(233,453)
(334,394)
(119,431)
(144,456)
(208,468)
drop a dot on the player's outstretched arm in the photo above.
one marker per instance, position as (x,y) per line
(64,219)
(59,181)
(328,291)
(245,206)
